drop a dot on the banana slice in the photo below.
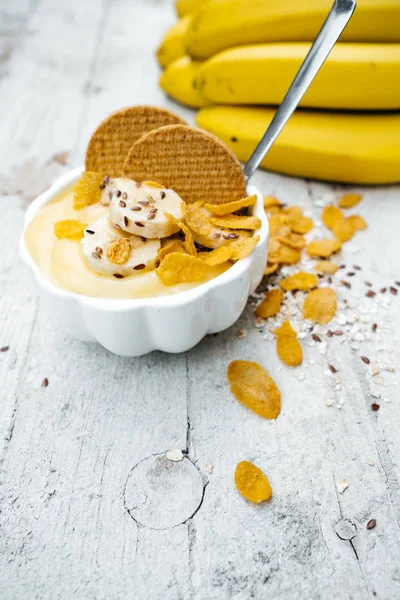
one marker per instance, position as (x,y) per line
(139,208)
(110,251)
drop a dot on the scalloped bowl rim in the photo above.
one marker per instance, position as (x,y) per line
(121,304)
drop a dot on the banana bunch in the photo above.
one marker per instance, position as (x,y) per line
(235,59)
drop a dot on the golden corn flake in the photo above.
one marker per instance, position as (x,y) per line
(282,233)
(331,215)
(230,207)
(254,387)
(188,244)
(196,220)
(294,240)
(181,268)
(87,190)
(172,246)
(357,222)
(323,248)
(343,230)
(271,201)
(269,269)
(276,222)
(292,210)
(251,483)
(153,184)
(243,247)
(70,229)
(299,281)
(288,346)
(271,304)
(325,266)
(118,251)
(199,203)
(320,305)
(298,223)
(236,222)
(280,253)
(273,210)
(349,200)
(217,256)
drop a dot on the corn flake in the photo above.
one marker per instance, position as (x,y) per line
(357,222)
(294,240)
(331,215)
(343,230)
(196,220)
(153,184)
(271,201)
(299,281)
(236,222)
(217,256)
(87,190)
(181,268)
(270,305)
(273,210)
(230,207)
(276,223)
(288,346)
(243,247)
(188,244)
(327,267)
(251,483)
(254,387)
(323,248)
(298,223)
(118,251)
(280,253)
(172,246)
(320,305)
(69,229)
(349,200)
(269,269)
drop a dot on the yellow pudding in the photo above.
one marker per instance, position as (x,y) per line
(63,263)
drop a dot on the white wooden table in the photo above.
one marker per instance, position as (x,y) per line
(90,505)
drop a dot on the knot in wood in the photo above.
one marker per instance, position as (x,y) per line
(162,493)
(345,529)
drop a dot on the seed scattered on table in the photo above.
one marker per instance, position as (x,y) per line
(365,360)
(375,406)
(45,382)
(4,348)
(371,524)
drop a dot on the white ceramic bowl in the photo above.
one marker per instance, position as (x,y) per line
(172,323)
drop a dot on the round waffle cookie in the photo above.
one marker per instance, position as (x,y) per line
(110,143)
(193,162)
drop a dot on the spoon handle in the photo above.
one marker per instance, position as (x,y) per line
(340,14)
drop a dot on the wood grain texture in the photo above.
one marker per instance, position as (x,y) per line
(68,451)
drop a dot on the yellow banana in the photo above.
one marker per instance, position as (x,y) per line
(177,82)
(355,76)
(171,46)
(221,24)
(344,147)
(185,7)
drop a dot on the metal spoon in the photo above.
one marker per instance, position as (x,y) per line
(340,14)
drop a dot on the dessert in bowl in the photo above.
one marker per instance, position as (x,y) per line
(127,259)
